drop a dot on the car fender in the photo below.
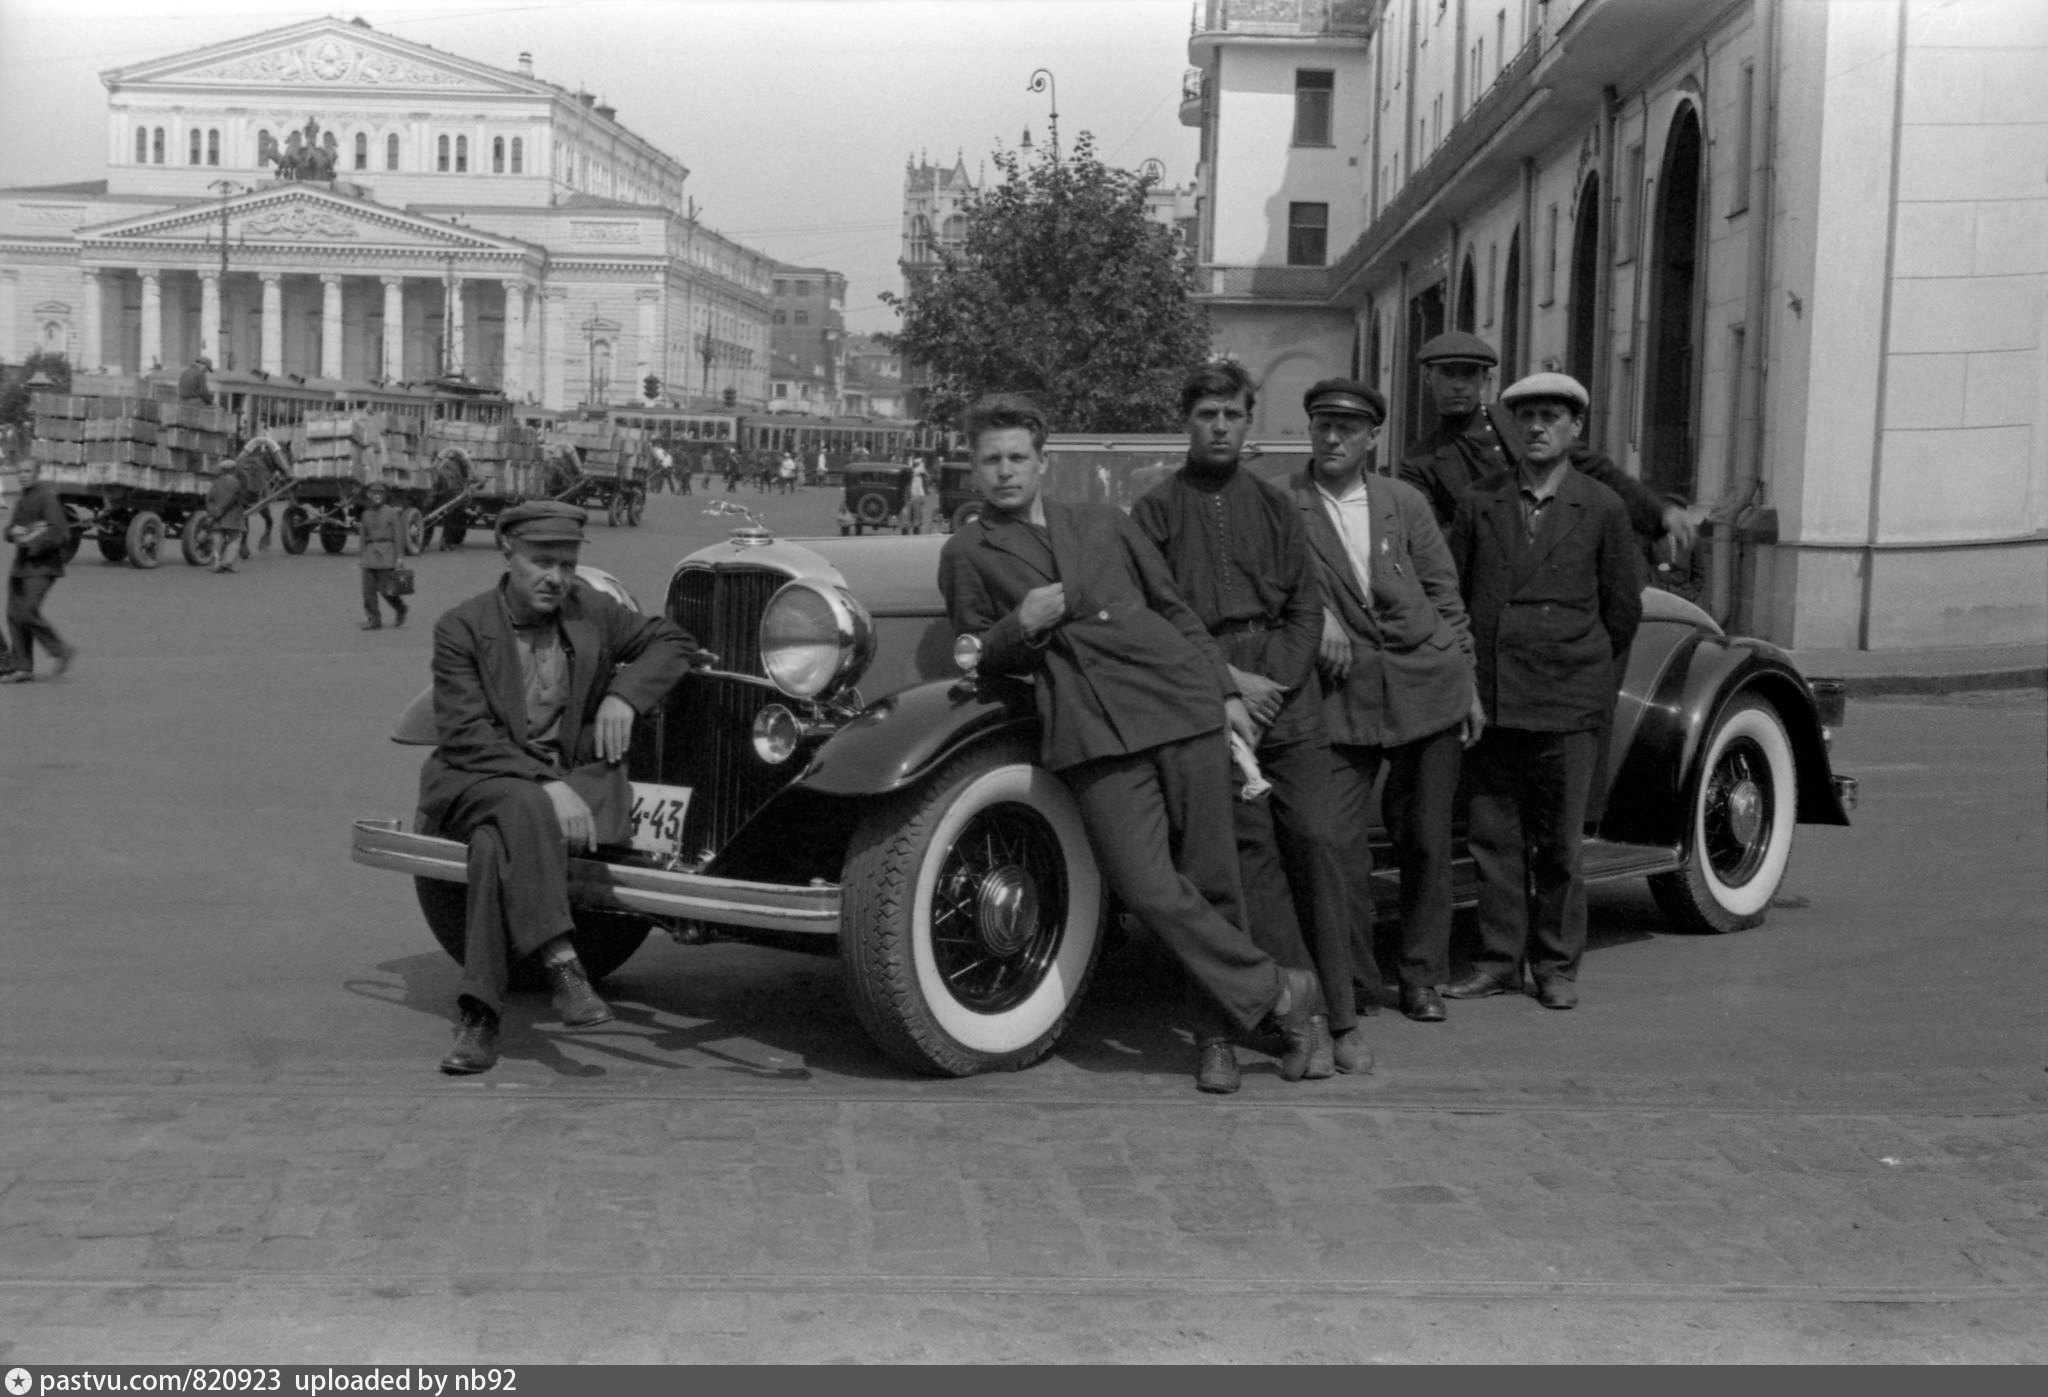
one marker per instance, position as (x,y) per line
(899,739)
(1702,673)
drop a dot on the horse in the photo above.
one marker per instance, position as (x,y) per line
(452,476)
(262,467)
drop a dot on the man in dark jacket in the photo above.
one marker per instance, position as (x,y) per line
(383,534)
(38,529)
(1235,548)
(537,684)
(1133,698)
(1396,663)
(1475,439)
(1552,581)
(227,517)
(192,386)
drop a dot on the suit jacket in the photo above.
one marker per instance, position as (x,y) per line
(39,528)
(480,694)
(1442,471)
(1551,617)
(1411,647)
(1128,667)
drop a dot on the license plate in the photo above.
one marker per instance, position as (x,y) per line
(658,817)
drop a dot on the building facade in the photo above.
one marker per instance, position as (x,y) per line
(807,339)
(325,200)
(1798,252)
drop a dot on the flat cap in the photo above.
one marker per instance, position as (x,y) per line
(543,521)
(377,485)
(1346,395)
(1561,388)
(1457,347)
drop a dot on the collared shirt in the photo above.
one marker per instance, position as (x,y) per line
(544,672)
(1351,512)
(1536,498)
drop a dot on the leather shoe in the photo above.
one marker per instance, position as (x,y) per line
(476,1042)
(1557,994)
(1477,985)
(371,626)
(576,1003)
(1350,1052)
(1218,1071)
(1298,1021)
(1422,1003)
(1322,1050)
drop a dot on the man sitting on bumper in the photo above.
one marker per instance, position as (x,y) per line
(537,683)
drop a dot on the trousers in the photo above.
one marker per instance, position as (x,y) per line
(1529,795)
(1159,822)
(518,880)
(1297,896)
(1417,807)
(376,586)
(25,623)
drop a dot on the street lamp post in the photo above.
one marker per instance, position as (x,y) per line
(1042,81)
(228,189)
(707,350)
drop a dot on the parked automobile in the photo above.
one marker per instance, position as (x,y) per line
(844,782)
(876,494)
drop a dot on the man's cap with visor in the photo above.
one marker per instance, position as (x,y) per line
(543,521)
(1546,387)
(1346,395)
(1457,347)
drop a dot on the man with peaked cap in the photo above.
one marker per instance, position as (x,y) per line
(192,387)
(1396,668)
(1552,580)
(1474,439)
(537,684)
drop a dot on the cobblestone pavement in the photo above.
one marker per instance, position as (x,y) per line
(222,1138)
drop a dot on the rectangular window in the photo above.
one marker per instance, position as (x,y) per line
(213,147)
(362,150)
(157,146)
(1314,91)
(1500,41)
(803,317)
(1478,69)
(192,148)
(1628,228)
(391,151)
(1738,179)
(441,156)
(462,155)
(497,155)
(518,155)
(1492,277)
(1550,256)
(1308,235)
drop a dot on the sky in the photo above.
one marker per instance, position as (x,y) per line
(794,117)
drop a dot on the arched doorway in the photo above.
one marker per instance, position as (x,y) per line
(1468,296)
(1581,350)
(1511,312)
(1668,464)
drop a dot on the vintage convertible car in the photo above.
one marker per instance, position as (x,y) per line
(842,782)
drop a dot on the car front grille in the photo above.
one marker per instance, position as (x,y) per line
(707,725)
(722,610)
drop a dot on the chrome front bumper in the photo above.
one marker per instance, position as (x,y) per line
(653,892)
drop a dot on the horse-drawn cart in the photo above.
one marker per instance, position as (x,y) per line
(599,467)
(333,457)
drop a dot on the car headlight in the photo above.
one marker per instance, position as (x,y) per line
(815,640)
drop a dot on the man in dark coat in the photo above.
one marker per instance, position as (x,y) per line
(1133,698)
(1396,663)
(1475,439)
(382,528)
(192,387)
(38,528)
(1236,551)
(1552,581)
(537,684)
(227,516)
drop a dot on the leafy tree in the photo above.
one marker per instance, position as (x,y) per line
(14,398)
(1062,289)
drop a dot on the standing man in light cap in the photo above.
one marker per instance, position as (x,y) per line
(1396,665)
(1474,439)
(1552,581)
(537,684)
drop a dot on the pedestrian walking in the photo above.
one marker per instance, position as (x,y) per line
(227,517)
(383,534)
(38,528)
(917,499)
(1552,580)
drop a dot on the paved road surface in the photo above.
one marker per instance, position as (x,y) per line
(225,1139)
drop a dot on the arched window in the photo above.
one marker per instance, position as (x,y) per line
(391,151)
(213,146)
(192,148)
(362,150)
(1468,296)
(497,155)
(518,156)
(156,146)
(142,145)
(462,155)
(441,156)
(955,232)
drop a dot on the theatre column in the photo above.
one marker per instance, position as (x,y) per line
(89,351)
(458,331)
(649,299)
(152,355)
(394,327)
(273,322)
(330,325)
(209,319)
(514,378)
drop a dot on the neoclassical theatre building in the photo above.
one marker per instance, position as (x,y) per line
(327,200)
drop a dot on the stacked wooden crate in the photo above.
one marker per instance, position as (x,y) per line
(503,458)
(595,443)
(127,441)
(408,460)
(339,446)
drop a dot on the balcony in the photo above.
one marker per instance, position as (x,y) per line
(1288,19)
(1254,283)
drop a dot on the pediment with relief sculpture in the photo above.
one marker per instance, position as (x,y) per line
(321,54)
(297,215)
